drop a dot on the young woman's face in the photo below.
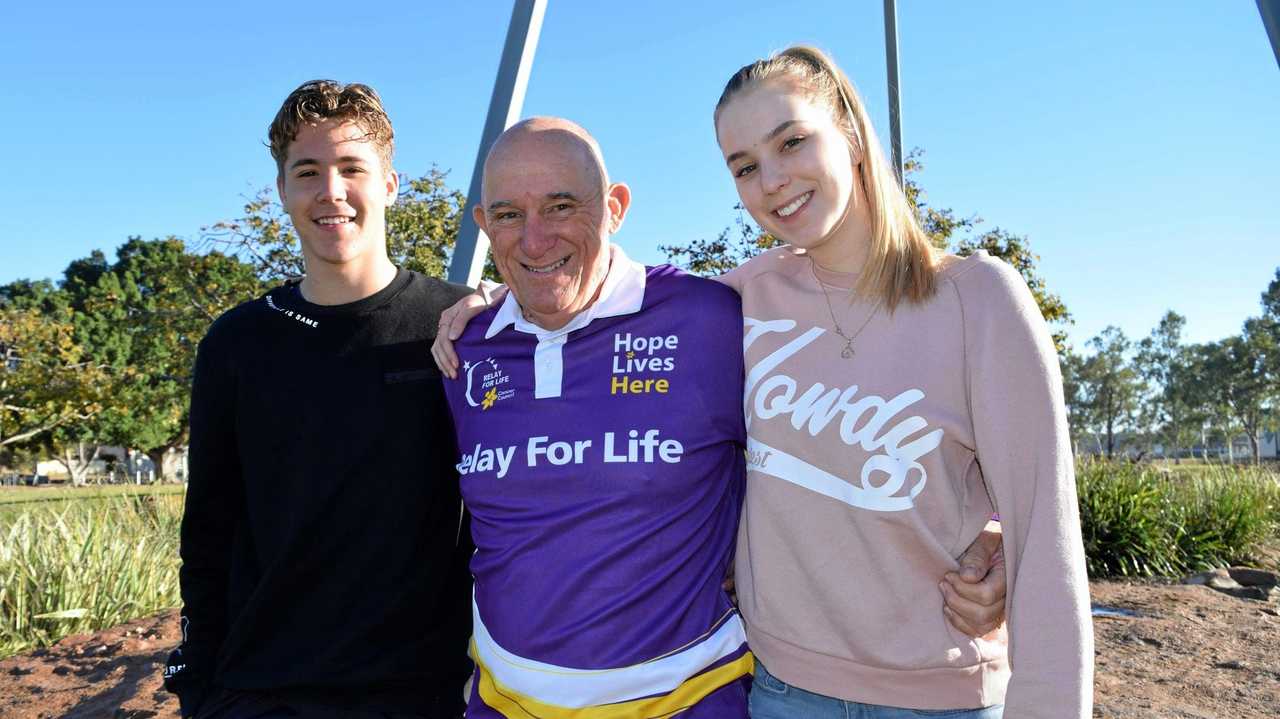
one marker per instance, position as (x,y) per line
(792,165)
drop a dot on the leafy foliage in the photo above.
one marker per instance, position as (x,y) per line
(1237,371)
(1110,388)
(143,316)
(1126,530)
(1138,522)
(47,379)
(734,245)
(423,224)
(114,344)
(1016,251)
(1169,409)
(1222,518)
(1271,299)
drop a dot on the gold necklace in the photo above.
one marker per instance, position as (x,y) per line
(847,351)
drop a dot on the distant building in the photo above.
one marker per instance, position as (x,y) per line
(120,464)
(1128,446)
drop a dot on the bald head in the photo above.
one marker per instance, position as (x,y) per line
(548,209)
(553,133)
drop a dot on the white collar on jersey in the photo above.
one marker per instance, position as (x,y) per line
(621,294)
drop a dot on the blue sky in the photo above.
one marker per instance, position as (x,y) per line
(1134,143)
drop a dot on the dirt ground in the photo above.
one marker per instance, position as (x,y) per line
(114,674)
(1191,653)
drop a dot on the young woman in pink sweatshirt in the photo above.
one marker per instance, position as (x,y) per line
(895,398)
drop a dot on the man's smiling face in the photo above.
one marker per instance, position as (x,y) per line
(336,192)
(548,212)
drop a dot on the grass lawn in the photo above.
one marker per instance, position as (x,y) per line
(62,493)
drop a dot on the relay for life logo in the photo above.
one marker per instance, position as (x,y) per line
(489,387)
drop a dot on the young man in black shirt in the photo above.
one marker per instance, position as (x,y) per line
(324,560)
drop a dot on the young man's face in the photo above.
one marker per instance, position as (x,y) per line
(336,191)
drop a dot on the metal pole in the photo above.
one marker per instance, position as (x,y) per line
(891,62)
(504,109)
(1270,11)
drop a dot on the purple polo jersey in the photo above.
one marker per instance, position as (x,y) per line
(603,467)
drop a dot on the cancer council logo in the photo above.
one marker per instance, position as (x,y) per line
(486,379)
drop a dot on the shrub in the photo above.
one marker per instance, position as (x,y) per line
(84,566)
(1126,522)
(1225,517)
(1137,521)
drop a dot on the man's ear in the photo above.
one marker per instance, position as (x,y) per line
(280,186)
(393,186)
(618,201)
(482,220)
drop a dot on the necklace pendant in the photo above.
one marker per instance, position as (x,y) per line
(847,352)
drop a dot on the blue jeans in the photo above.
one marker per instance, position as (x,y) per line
(772,698)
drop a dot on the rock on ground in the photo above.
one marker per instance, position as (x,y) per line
(1193,653)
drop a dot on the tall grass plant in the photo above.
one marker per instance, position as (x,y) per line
(1142,521)
(82,566)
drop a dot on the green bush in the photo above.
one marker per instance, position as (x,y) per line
(1225,517)
(85,565)
(1127,527)
(1139,521)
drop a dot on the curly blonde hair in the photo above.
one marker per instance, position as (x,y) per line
(319,100)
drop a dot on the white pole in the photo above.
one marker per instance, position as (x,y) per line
(895,87)
(504,109)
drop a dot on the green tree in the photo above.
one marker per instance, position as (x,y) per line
(1204,371)
(1110,386)
(940,223)
(1269,326)
(143,316)
(1271,299)
(1237,375)
(1239,381)
(39,295)
(422,227)
(47,379)
(1169,408)
(1016,251)
(53,304)
(735,244)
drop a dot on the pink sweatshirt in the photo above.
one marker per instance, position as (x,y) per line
(868,476)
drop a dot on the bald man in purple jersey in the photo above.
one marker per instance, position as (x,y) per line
(601,437)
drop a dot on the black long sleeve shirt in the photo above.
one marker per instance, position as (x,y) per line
(323,553)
